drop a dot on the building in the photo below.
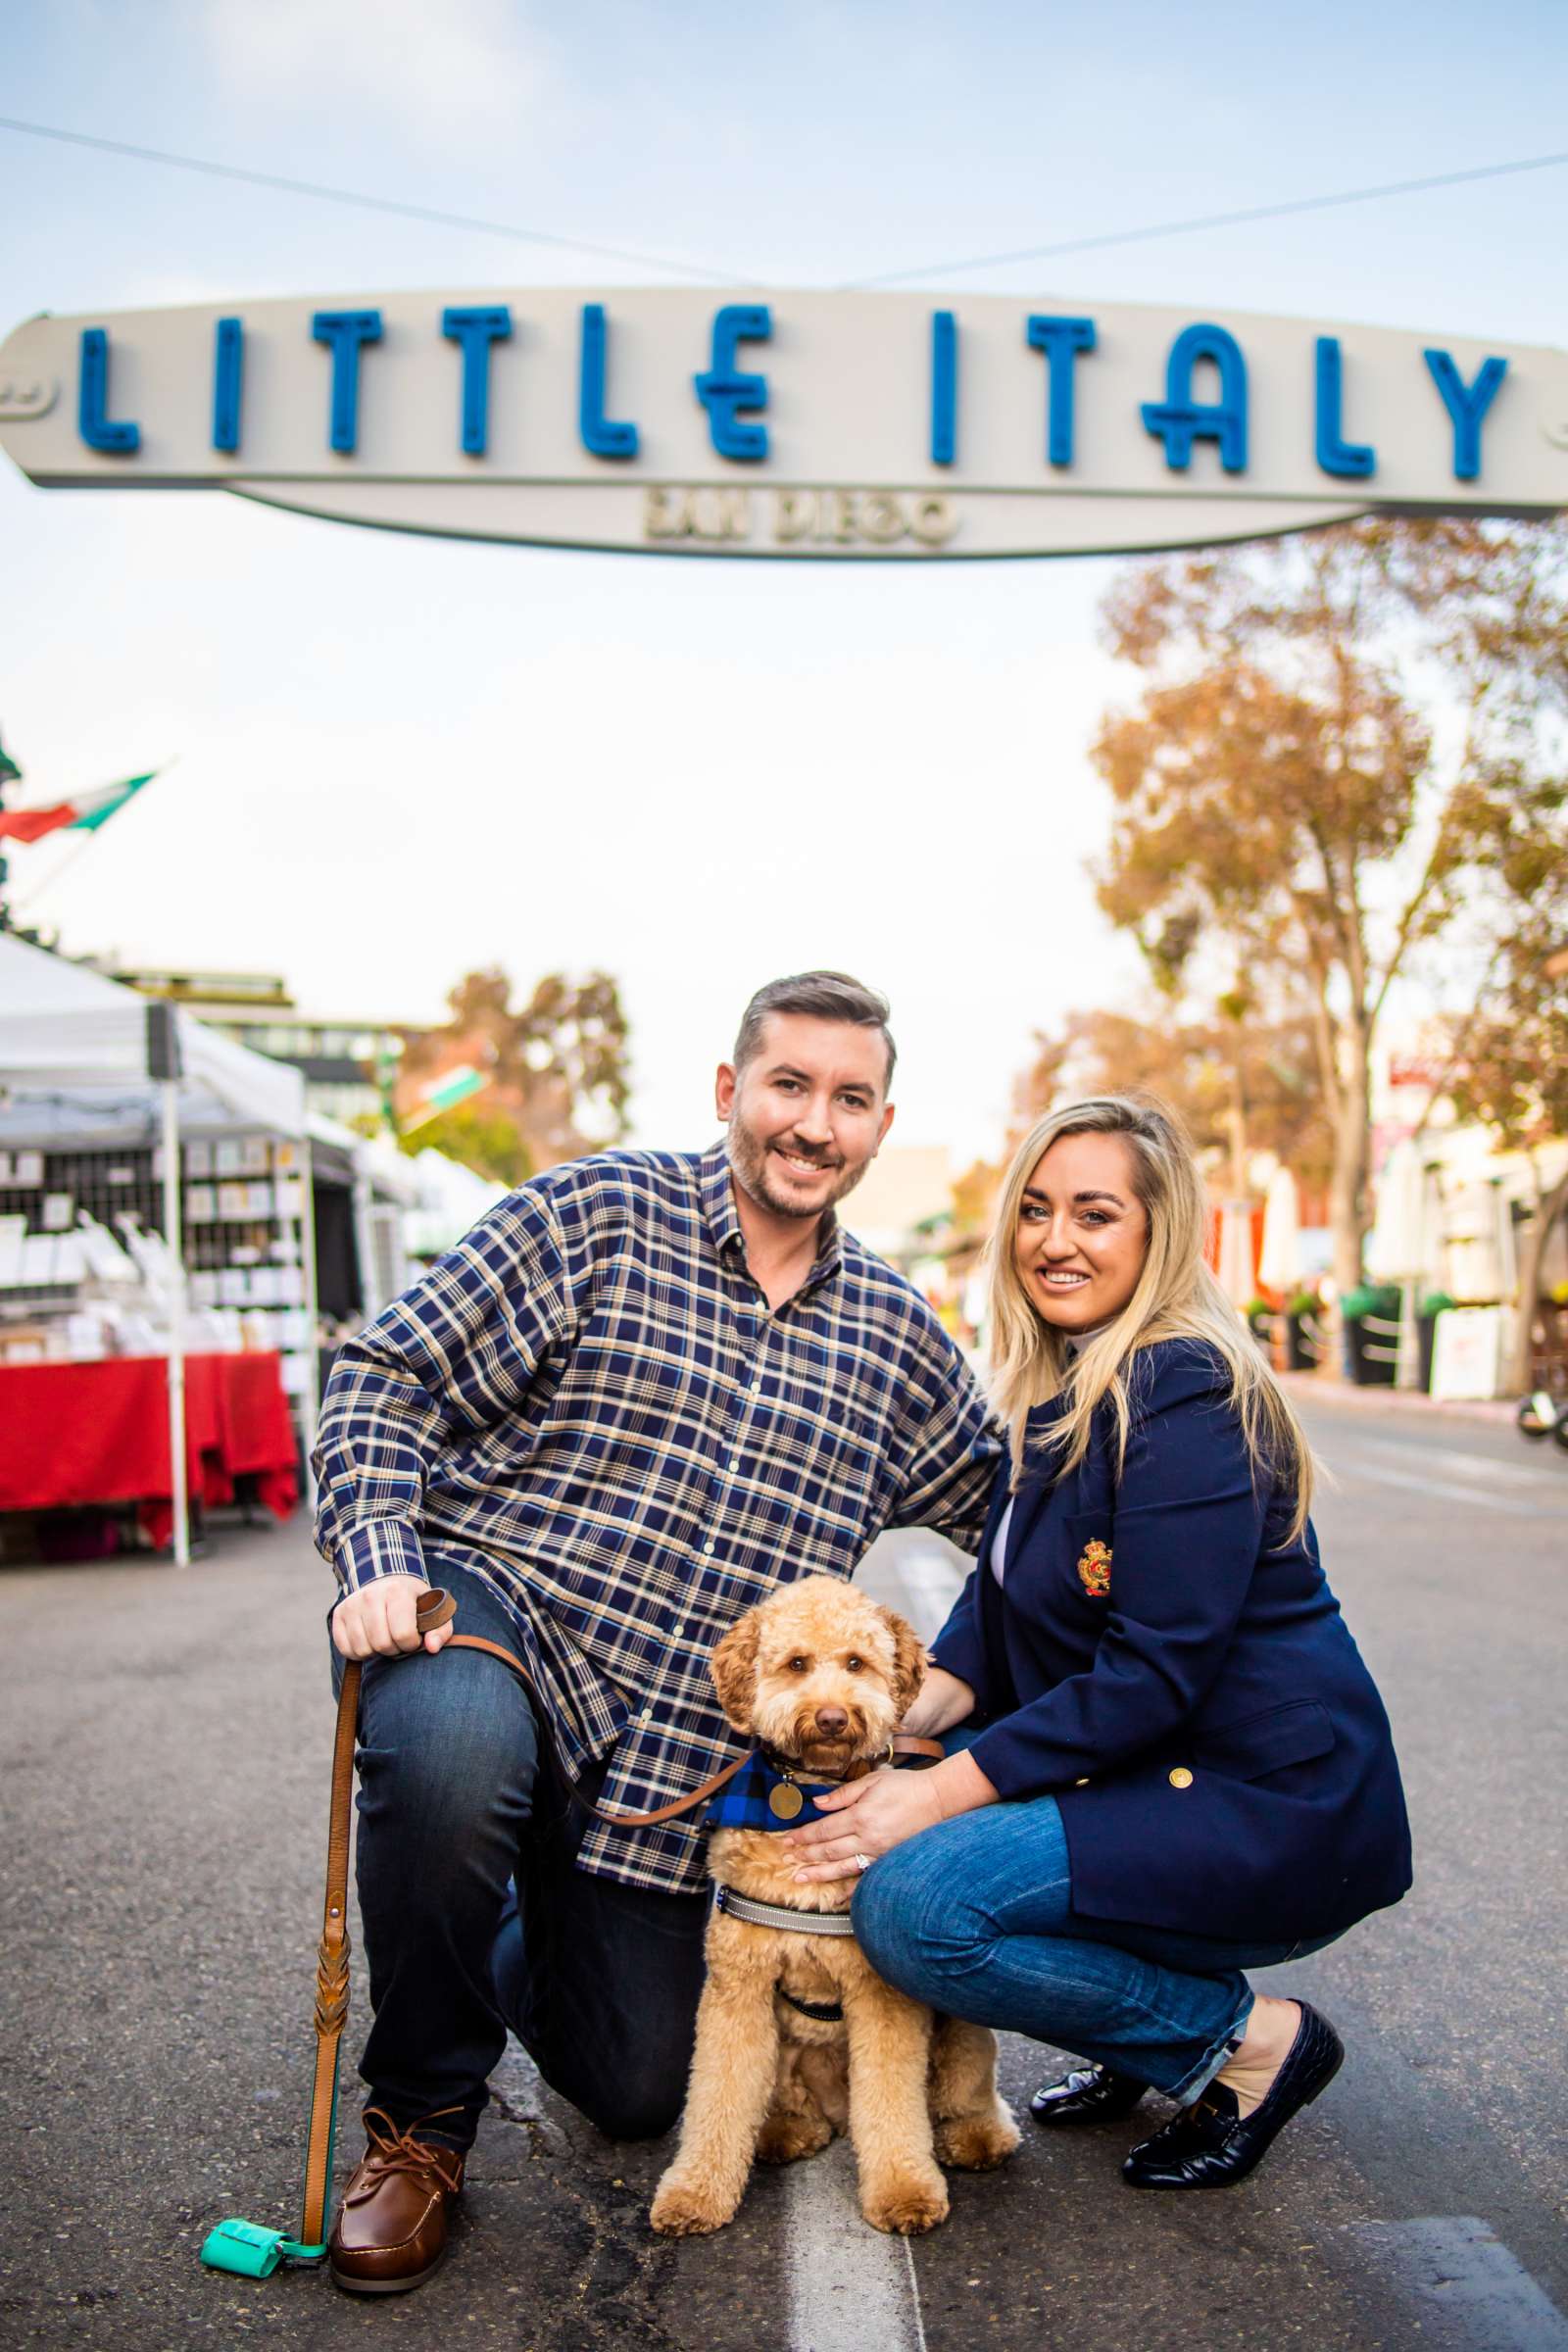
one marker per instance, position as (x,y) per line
(348,1066)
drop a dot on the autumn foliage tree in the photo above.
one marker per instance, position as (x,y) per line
(556,1068)
(1337,736)
(1236,1082)
(1509,1065)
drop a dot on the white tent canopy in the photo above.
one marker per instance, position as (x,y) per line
(452,1201)
(1404,1242)
(1280,1264)
(66,1030)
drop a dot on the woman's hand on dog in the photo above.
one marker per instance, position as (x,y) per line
(881,1812)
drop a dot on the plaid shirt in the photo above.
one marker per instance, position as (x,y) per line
(590,1402)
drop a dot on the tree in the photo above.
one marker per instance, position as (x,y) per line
(556,1068)
(490,1143)
(1337,732)
(1510,1068)
(1236,1083)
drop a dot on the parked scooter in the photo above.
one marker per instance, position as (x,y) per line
(1545,1415)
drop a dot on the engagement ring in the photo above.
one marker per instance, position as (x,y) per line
(862,1861)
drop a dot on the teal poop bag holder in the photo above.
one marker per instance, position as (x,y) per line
(249,2249)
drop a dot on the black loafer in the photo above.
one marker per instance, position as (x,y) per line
(1210,2144)
(1090,2094)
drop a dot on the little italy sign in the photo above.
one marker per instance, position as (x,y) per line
(787,424)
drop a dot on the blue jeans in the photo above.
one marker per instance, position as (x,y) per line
(975,1917)
(475,1917)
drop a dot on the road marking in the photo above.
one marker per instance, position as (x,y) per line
(848,2284)
(1491,1469)
(930,1584)
(1356,1466)
(1471,2293)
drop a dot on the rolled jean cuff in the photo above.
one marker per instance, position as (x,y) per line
(1188,2092)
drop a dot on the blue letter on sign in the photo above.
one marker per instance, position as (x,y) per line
(1467,405)
(601,434)
(1059,339)
(474,331)
(1354,460)
(944,387)
(1181,421)
(725,390)
(228,359)
(92,408)
(345,331)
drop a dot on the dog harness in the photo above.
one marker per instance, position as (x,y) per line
(826,2013)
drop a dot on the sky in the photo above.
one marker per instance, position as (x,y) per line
(398,758)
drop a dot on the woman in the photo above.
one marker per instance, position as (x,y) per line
(1172,1764)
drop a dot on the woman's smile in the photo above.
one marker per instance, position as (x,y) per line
(1081,1231)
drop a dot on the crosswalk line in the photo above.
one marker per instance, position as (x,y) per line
(848,2283)
(1521,1471)
(1357,1464)
(1471,2293)
(929,1585)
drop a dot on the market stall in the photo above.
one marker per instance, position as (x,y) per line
(77,1435)
(135,1144)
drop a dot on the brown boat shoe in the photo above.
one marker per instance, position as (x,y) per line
(391,2230)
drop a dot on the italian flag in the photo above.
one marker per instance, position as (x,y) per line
(85,813)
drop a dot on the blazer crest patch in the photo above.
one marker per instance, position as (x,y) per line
(1094,1570)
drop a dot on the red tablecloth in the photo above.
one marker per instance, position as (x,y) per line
(74,1434)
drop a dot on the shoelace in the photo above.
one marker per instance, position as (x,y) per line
(389,2150)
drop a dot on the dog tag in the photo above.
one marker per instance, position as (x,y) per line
(785,1802)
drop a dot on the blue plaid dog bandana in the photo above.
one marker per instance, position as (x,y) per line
(742,1803)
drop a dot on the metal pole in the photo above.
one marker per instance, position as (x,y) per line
(1408,1360)
(173,1235)
(10,773)
(309,1401)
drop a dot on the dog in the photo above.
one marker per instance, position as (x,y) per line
(821,1676)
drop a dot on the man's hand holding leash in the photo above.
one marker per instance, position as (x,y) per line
(380,1620)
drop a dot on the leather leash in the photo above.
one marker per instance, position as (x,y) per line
(332,1953)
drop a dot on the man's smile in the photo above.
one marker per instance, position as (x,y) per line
(799,1161)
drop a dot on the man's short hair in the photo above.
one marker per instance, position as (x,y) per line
(824,996)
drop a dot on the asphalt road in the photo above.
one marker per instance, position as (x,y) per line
(165,1743)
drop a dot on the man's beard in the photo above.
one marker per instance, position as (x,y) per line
(749,1158)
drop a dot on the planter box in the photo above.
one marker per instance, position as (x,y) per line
(1304,1343)
(1372,1346)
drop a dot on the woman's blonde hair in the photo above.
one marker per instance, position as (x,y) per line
(1176,1297)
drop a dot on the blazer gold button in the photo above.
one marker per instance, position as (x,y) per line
(1181,1778)
(1082,1783)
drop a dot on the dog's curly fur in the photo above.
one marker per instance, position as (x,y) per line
(765,2080)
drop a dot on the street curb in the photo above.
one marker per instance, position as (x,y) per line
(1501,1411)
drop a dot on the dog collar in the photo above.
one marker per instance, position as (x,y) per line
(779,1915)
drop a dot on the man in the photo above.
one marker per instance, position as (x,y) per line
(648,1388)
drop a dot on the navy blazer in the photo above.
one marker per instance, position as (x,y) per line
(1177,1676)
